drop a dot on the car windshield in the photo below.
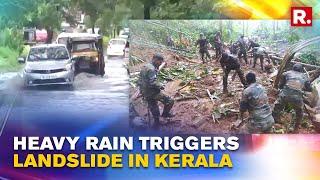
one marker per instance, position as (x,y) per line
(83,47)
(125,33)
(63,41)
(117,42)
(48,53)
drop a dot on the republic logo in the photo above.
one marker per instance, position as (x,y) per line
(301,16)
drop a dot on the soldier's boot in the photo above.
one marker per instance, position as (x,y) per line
(254,62)
(225,85)
(154,108)
(299,115)
(202,58)
(167,108)
(217,54)
(241,77)
(261,62)
(156,123)
(276,114)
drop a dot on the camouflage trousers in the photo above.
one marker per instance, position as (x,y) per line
(290,98)
(154,108)
(250,128)
(243,53)
(203,53)
(225,78)
(218,48)
(254,128)
(255,58)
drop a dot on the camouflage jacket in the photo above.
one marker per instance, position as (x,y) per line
(242,44)
(203,44)
(253,45)
(149,86)
(217,40)
(255,100)
(294,81)
(231,63)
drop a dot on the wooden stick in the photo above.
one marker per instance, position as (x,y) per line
(184,86)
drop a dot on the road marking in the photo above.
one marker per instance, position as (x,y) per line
(8,114)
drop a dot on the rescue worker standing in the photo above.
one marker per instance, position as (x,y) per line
(258,53)
(229,62)
(170,41)
(150,89)
(292,85)
(242,49)
(218,44)
(255,101)
(203,47)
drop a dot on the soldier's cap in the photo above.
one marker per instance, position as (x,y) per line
(224,55)
(251,77)
(297,67)
(201,34)
(158,56)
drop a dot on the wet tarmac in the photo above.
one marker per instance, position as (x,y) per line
(94,106)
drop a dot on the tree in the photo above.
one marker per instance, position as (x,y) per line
(47,14)
(13,12)
(94,9)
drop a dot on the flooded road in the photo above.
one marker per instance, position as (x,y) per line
(95,106)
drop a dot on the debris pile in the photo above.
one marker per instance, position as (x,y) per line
(200,106)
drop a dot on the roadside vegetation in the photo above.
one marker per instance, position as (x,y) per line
(11,46)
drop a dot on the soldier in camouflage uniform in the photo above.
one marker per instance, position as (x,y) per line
(228,63)
(255,100)
(170,41)
(243,49)
(292,85)
(233,48)
(203,47)
(150,88)
(218,44)
(258,53)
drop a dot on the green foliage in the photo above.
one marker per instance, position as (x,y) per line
(309,57)
(293,37)
(180,71)
(106,39)
(187,9)
(25,51)
(8,59)
(12,39)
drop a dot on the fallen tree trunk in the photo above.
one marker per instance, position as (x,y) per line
(289,56)
(179,58)
(310,66)
(185,98)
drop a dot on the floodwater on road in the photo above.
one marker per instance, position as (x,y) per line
(95,106)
